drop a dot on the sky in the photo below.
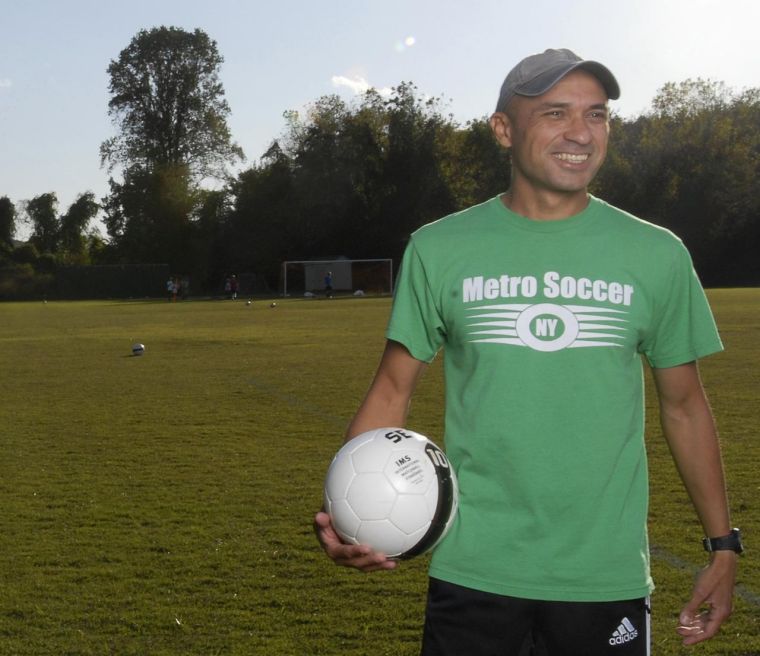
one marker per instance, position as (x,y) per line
(281,56)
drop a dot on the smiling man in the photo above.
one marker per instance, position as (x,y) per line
(544,301)
(558,142)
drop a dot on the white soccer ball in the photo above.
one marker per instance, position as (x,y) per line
(138,349)
(393,489)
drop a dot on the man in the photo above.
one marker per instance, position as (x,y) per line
(544,300)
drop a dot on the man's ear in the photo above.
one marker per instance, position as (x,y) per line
(501,126)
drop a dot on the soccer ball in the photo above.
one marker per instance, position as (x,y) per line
(393,489)
(138,349)
(273,304)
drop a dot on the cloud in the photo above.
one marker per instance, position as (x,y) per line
(5,83)
(358,85)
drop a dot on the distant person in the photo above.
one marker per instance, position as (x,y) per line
(228,287)
(234,287)
(170,288)
(543,301)
(328,284)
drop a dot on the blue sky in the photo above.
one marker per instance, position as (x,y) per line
(281,56)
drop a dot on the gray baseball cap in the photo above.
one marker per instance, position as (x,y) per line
(536,74)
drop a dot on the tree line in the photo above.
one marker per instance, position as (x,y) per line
(354,179)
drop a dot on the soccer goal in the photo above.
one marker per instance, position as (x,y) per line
(357,277)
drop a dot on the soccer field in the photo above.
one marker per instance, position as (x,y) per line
(162,504)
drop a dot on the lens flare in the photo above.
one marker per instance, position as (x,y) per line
(404,44)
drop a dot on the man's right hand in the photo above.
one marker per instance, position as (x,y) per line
(358,556)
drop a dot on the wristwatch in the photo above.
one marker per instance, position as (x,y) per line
(730,542)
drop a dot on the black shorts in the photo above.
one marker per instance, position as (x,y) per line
(460,621)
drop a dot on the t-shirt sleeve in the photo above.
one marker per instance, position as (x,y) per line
(415,319)
(684,329)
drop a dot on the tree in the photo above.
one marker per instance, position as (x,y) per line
(42,211)
(206,248)
(416,188)
(168,104)
(474,165)
(148,215)
(698,165)
(7,221)
(73,226)
(692,164)
(264,226)
(355,179)
(618,181)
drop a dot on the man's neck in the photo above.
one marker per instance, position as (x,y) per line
(545,205)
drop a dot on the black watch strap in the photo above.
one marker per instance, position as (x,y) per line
(730,542)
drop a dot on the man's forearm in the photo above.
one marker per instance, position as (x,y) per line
(689,429)
(387,401)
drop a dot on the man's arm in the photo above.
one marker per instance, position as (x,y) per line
(386,404)
(689,429)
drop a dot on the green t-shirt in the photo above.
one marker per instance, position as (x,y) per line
(543,324)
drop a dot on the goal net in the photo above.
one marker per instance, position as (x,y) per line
(348,276)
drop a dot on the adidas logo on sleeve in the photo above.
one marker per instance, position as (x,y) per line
(624,633)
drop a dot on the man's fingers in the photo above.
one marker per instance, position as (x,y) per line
(362,557)
(358,556)
(700,626)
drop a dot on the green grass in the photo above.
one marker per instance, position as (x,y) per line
(163,504)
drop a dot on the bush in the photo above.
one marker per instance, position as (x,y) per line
(25,254)
(22,282)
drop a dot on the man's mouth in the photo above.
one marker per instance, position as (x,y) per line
(572,158)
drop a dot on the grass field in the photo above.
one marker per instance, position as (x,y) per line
(162,504)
